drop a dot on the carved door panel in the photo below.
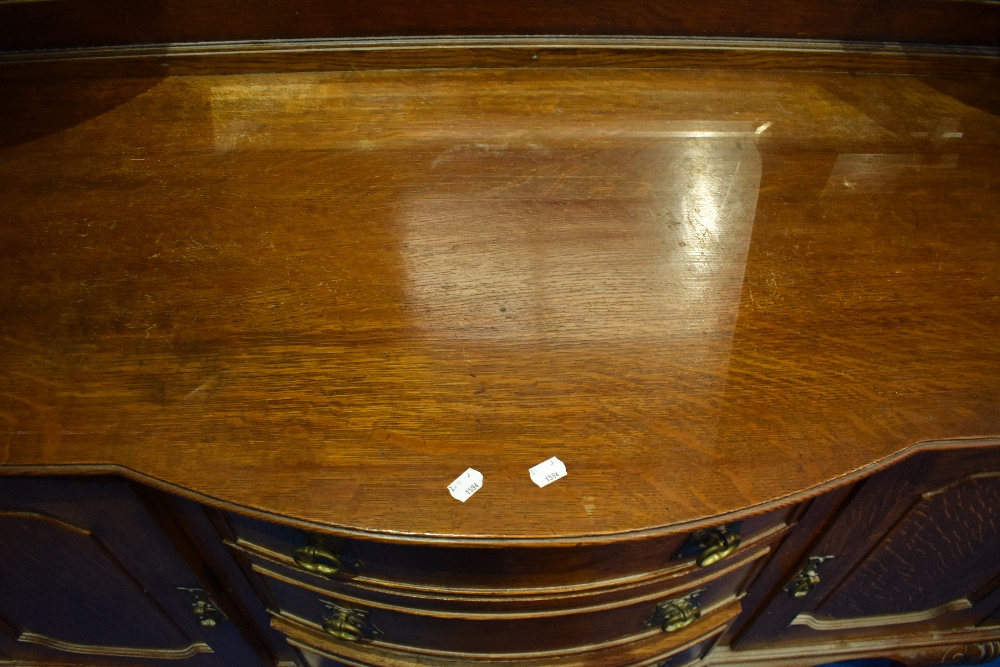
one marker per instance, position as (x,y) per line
(917,548)
(86,575)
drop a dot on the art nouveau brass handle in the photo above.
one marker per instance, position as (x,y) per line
(206,614)
(716,543)
(343,628)
(803,584)
(317,560)
(806,580)
(349,625)
(675,615)
(204,610)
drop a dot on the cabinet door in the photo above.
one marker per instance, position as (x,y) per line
(87,576)
(916,549)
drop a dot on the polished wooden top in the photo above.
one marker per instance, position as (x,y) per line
(326,295)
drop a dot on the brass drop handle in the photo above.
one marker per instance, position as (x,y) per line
(675,615)
(806,580)
(205,614)
(346,624)
(803,584)
(317,560)
(204,610)
(342,628)
(716,544)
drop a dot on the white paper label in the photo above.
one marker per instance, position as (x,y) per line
(466,484)
(547,472)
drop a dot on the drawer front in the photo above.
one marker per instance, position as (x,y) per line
(499,632)
(364,591)
(468,570)
(654,649)
(687,655)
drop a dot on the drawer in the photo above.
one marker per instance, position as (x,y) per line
(502,631)
(362,590)
(655,649)
(473,570)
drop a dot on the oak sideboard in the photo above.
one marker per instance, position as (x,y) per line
(290,311)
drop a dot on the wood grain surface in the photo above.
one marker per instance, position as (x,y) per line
(326,295)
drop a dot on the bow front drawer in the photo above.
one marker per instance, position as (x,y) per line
(462,570)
